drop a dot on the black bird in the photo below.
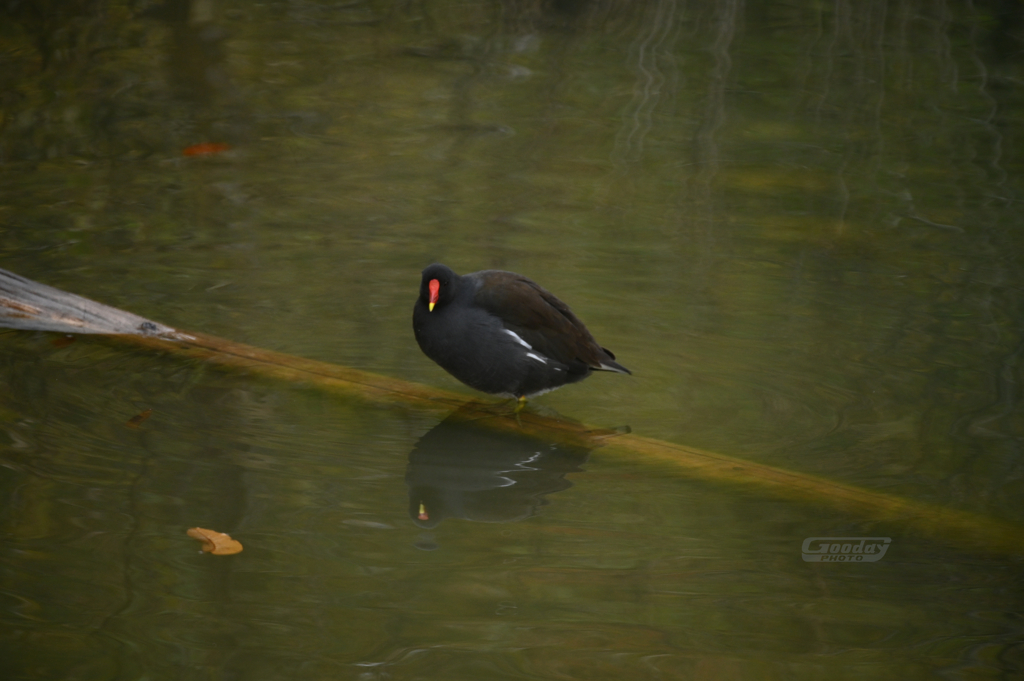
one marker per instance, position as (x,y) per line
(503,334)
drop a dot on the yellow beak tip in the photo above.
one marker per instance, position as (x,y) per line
(430,307)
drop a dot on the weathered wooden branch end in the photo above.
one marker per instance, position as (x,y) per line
(29,305)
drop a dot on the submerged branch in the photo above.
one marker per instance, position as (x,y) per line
(25,304)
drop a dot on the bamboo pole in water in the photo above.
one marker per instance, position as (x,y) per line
(25,304)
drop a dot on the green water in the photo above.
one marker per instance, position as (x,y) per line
(799,225)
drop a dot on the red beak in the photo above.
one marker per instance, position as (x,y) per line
(434,287)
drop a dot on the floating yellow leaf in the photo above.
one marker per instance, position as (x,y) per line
(217,543)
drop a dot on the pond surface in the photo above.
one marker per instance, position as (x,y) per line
(799,225)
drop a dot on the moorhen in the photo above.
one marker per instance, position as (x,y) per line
(503,334)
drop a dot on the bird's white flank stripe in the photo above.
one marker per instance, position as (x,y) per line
(536,357)
(518,339)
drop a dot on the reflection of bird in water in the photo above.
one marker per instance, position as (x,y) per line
(463,470)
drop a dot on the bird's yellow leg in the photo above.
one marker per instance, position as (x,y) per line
(520,404)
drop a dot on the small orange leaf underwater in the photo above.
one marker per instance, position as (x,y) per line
(205,149)
(64,341)
(136,421)
(217,543)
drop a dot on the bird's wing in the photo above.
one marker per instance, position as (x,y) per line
(538,318)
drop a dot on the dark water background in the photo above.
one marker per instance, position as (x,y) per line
(798,223)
